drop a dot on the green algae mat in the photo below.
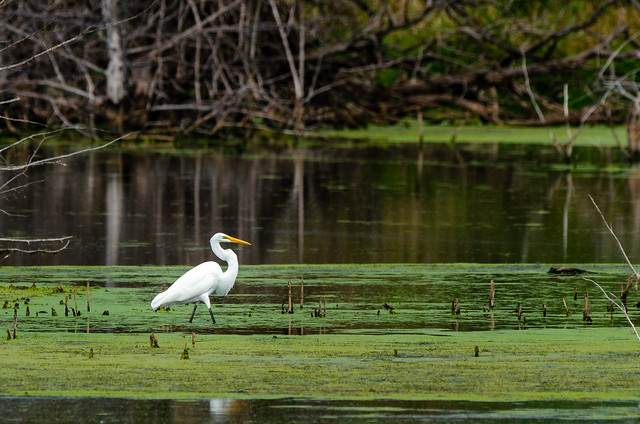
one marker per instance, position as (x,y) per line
(363,332)
(527,365)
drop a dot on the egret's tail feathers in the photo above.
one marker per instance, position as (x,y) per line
(158,300)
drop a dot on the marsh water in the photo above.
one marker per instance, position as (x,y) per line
(306,410)
(402,212)
(406,203)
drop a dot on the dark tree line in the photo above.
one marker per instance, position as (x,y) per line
(208,66)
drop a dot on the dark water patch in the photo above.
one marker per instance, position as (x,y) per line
(367,204)
(219,410)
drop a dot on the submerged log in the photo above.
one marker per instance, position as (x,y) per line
(565,270)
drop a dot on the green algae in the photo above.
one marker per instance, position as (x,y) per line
(408,132)
(358,351)
(354,297)
(513,365)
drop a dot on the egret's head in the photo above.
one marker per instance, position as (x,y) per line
(223,238)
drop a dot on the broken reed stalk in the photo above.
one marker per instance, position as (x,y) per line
(455,307)
(15,323)
(88,302)
(66,305)
(617,305)
(185,351)
(75,300)
(585,314)
(301,293)
(322,308)
(153,341)
(544,309)
(290,310)
(566,308)
(624,291)
(492,295)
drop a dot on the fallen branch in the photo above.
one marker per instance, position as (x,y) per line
(66,240)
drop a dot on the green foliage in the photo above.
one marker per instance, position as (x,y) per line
(407,132)
(387,77)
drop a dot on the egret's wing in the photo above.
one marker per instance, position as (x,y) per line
(191,285)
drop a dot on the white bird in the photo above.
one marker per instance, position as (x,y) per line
(199,282)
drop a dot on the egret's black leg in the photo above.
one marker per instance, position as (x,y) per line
(193,313)
(212,318)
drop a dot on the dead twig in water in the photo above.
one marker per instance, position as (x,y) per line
(611,298)
(617,241)
(620,305)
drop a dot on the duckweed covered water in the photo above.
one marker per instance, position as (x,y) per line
(354,364)
(353,298)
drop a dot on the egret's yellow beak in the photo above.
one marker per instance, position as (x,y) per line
(235,240)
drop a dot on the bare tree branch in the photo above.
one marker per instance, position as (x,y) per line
(617,304)
(616,238)
(59,157)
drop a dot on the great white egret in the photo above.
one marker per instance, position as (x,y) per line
(199,282)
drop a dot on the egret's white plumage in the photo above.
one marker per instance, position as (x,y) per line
(199,282)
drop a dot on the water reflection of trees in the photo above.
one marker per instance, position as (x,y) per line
(400,204)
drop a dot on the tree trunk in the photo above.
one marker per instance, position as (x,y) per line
(115,70)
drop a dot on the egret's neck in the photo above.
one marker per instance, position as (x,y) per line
(228,256)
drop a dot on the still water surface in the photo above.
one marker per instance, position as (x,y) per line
(361,204)
(313,205)
(109,410)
